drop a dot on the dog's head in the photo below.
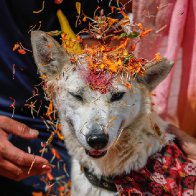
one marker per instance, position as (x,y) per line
(96,118)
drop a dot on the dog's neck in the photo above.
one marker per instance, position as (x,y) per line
(130,152)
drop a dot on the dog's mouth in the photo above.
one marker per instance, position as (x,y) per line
(95,153)
(100,153)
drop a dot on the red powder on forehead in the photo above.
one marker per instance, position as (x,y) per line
(100,80)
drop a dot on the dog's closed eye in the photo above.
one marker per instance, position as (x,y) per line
(117,96)
(77,96)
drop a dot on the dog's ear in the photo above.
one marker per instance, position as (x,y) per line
(49,56)
(155,72)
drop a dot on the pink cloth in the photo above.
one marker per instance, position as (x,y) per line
(174,21)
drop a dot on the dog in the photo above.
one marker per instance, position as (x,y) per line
(117,144)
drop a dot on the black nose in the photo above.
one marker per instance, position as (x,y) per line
(97,141)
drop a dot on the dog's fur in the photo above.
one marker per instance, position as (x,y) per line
(129,122)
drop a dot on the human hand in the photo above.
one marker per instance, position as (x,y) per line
(15,164)
(187,143)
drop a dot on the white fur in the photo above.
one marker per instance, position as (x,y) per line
(138,137)
(135,133)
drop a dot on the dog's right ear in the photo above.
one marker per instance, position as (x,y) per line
(155,72)
(49,56)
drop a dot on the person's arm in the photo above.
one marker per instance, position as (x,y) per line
(14,163)
(187,143)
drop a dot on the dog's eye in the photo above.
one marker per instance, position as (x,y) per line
(117,96)
(76,96)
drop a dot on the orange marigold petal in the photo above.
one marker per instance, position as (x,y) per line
(158,57)
(16,46)
(50,176)
(21,51)
(55,153)
(145,32)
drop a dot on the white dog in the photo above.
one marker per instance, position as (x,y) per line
(111,137)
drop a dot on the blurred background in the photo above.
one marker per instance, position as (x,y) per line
(174,29)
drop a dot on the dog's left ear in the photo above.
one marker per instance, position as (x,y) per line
(49,56)
(155,72)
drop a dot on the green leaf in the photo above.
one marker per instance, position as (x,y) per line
(126,60)
(133,34)
(123,35)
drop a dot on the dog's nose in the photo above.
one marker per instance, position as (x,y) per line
(97,141)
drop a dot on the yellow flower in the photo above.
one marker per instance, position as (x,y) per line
(102,66)
(113,67)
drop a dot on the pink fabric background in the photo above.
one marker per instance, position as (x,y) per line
(174,29)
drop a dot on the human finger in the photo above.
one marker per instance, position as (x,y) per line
(17,128)
(187,143)
(3,134)
(19,157)
(16,173)
(181,135)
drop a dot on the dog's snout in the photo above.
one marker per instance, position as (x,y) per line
(97,141)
